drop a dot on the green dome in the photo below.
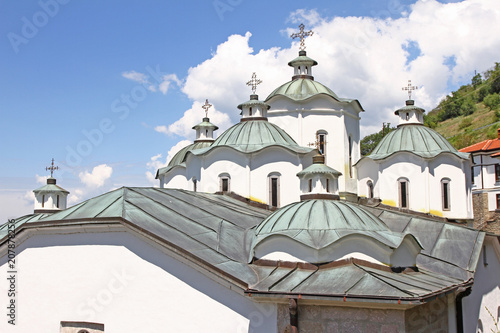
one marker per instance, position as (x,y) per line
(416,139)
(302,89)
(254,135)
(180,156)
(318,223)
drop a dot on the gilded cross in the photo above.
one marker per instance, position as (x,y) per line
(254,82)
(302,34)
(52,168)
(206,106)
(409,88)
(316,144)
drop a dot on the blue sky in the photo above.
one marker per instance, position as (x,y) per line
(111,89)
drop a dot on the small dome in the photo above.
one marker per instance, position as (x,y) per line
(254,135)
(302,89)
(326,230)
(416,139)
(180,156)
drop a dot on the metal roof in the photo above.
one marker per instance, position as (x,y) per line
(318,168)
(50,188)
(216,232)
(206,123)
(254,135)
(180,157)
(415,139)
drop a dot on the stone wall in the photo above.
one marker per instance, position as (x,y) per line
(484,219)
(429,317)
(332,319)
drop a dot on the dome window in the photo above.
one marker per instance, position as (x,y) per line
(403,184)
(445,193)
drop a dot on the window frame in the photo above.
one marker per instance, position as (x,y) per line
(224,177)
(497,173)
(405,181)
(446,194)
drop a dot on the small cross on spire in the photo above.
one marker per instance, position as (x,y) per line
(52,168)
(302,34)
(206,106)
(254,82)
(316,144)
(409,88)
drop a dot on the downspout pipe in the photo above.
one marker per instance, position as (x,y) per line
(462,292)
(294,318)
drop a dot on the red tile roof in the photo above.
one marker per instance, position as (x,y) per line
(485,145)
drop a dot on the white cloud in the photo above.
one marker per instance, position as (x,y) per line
(156,161)
(41,179)
(167,79)
(97,177)
(136,76)
(184,126)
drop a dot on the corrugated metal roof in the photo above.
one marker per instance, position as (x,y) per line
(216,230)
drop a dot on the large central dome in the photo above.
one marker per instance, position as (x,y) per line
(254,135)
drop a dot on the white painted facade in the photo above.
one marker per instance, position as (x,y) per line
(425,179)
(486,177)
(125,281)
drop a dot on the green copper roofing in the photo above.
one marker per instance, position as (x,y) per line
(410,106)
(206,123)
(318,169)
(180,157)
(254,100)
(254,135)
(50,188)
(319,223)
(302,60)
(416,139)
(302,89)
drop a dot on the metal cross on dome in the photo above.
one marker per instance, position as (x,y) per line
(52,168)
(316,144)
(254,82)
(302,34)
(409,88)
(206,106)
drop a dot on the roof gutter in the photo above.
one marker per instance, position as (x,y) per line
(462,293)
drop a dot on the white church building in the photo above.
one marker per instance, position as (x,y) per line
(256,231)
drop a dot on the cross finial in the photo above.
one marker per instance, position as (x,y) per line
(52,168)
(409,88)
(302,34)
(206,106)
(316,144)
(254,82)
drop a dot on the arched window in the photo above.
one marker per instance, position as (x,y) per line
(369,192)
(404,193)
(57,201)
(43,200)
(407,115)
(274,189)
(328,185)
(445,193)
(195,185)
(321,138)
(224,182)
(250,111)
(310,185)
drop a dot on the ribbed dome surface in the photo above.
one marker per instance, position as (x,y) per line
(180,156)
(417,139)
(254,135)
(321,215)
(301,89)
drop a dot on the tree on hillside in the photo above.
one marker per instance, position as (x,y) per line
(369,142)
(492,101)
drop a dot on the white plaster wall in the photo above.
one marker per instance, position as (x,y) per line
(446,166)
(367,170)
(175,178)
(485,290)
(50,200)
(128,285)
(408,166)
